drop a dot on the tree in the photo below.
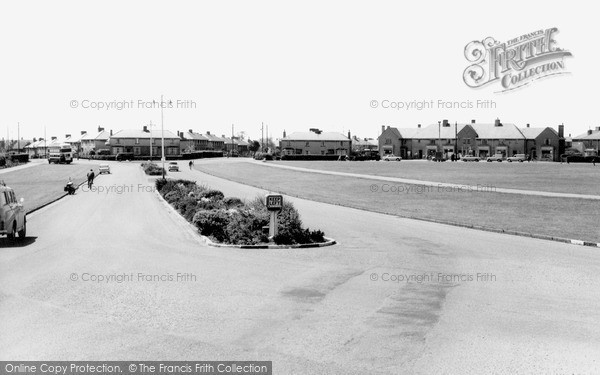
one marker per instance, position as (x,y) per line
(253,146)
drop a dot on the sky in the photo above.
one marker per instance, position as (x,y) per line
(288,65)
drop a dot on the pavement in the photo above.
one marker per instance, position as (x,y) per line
(426,183)
(475,302)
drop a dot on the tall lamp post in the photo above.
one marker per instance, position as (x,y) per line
(439,151)
(162,136)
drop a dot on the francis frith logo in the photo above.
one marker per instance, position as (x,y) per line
(514,63)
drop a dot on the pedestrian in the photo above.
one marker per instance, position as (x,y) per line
(90,177)
(190,164)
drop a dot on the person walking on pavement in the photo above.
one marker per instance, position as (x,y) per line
(90,177)
(191,163)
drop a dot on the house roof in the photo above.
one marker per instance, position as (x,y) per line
(435,131)
(588,137)
(135,133)
(312,136)
(101,136)
(532,133)
(193,136)
(490,131)
(214,138)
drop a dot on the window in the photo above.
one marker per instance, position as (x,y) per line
(118,140)
(323,144)
(322,152)
(307,144)
(388,141)
(547,142)
(137,150)
(137,141)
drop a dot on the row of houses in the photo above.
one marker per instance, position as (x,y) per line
(479,139)
(140,142)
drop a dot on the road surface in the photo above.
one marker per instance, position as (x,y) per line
(478,302)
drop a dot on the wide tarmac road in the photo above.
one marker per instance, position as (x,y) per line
(115,275)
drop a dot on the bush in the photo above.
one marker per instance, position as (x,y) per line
(230,220)
(152,169)
(212,223)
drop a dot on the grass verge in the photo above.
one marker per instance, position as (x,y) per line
(559,217)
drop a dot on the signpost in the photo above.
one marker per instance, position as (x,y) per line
(274,203)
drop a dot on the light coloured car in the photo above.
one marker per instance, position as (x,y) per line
(518,157)
(12,214)
(173,166)
(470,158)
(391,158)
(104,168)
(497,157)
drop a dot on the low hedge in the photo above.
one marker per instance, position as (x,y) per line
(311,157)
(230,220)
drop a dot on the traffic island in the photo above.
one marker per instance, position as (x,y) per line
(267,222)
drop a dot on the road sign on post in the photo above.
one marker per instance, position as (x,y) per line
(274,203)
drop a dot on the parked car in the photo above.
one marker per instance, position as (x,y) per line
(104,168)
(497,157)
(391,157)
(518,157)
(470,158)
(124,156)
(12,214)
(173,166)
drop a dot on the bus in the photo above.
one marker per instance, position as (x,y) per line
(62,154)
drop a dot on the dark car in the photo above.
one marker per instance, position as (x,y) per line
(124,156)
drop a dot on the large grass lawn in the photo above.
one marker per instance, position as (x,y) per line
(580,178)
(43,183)
(560,217)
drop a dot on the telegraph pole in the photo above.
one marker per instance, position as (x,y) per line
(262,137)
(18,138)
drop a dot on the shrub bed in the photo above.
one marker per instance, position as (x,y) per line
(230,220)
(152,169)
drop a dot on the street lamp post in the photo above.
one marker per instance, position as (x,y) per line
(162,135)
(439,140)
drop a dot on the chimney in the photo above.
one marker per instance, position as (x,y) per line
(349,137)
(445,123)
(284,133)
(497,122)
(190,130)
(100,129)
(83,132)
(598,128)
(589,131)
(527,125)
(382,128)
(145,129)
(419,126)
(54,138)
(207,133)
(67,135)
(111,132)
(473,121)
(561,131)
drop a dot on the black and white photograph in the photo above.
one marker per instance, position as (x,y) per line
(311,187)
